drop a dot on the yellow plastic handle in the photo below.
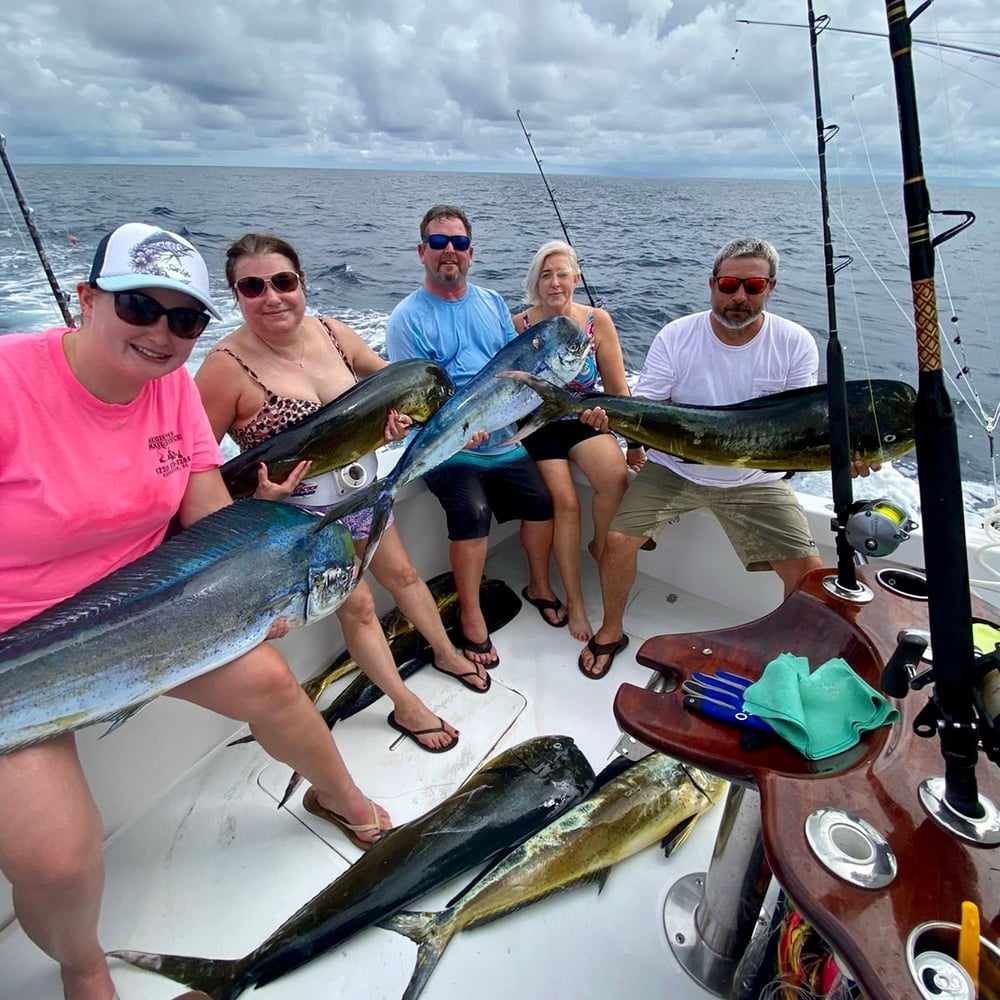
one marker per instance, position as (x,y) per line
(968,942)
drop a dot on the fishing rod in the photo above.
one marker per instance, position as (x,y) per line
(951,712)
(552,198)
(836,380)
(987,53)
(61,297)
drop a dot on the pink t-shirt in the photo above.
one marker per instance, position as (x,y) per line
(85,486)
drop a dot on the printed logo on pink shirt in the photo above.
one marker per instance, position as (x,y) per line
(169,460)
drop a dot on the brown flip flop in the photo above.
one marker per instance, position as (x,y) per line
(310,803)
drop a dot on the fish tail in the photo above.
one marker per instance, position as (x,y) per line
(431,932)
(293,782)
(219,978)
(380,521)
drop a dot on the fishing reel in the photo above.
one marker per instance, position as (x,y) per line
(877,527)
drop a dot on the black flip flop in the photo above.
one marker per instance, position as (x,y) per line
(461,678)
(470,645)
(544,604)
(608,649)
(415,733)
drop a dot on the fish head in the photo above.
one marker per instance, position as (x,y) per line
(333,571)
(430,387)
(557,760)
(560,349)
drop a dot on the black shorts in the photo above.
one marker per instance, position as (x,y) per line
(554,440)
(471,495)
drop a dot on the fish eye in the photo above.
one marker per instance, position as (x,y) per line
(536,343)
(889,438)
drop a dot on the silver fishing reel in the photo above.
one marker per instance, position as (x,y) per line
(877,527)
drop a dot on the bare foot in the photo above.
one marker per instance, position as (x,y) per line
(482,652)
(579,626)
(458,665)
(418,716)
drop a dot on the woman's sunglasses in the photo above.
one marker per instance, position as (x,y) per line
(138,309)
(439,241)
(253,287)
(729,285)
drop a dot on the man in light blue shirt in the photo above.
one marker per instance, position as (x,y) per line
(460,326)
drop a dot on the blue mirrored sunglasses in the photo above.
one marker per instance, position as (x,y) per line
(438,241)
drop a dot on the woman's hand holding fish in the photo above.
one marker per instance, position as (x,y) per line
(397,425)
(478,437)
(266,490)
(595,417)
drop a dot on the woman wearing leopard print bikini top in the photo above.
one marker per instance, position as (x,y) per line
(279,366)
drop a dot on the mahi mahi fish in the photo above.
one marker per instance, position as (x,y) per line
(345,428)
(786,432)
(196,602)
(497,600)
(554,349)
(511,797)
(655,798)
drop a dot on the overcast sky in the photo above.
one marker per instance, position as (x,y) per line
(604,86)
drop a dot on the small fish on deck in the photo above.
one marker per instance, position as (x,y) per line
(786,432)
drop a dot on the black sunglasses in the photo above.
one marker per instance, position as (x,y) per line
(438,241)
(138,309)
(253,287)
(728,284)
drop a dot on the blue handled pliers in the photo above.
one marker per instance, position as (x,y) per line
(720,696)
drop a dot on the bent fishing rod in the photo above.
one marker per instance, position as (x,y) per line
(62,298)
(552,198)
(952,710)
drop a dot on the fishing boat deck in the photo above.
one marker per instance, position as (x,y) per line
(212,867)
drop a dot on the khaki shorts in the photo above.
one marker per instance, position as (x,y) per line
(764,521)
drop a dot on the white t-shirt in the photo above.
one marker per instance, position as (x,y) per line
(687,363)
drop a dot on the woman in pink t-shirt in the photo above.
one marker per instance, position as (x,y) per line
(111,405)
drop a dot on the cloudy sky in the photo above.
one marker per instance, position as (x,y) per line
(605,86)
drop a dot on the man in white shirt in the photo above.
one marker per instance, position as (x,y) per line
(731,352)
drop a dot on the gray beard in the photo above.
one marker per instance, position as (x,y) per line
(736,324)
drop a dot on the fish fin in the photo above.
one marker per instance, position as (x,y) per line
(293,782)
(380,521)
(120,718)
(431,932)
(240,740)
(217,977)
(678,836)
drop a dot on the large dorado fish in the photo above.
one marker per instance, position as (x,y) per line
(554,349)
(507,800)
(786,432)
(653,799)
(194,603)
(345,428)
(499,603)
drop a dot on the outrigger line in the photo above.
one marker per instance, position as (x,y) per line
(61,297)
(552,198)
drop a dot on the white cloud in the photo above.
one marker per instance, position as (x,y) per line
(645,86)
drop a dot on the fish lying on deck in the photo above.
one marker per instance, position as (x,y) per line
(786,432)
(196,602)
(345,428)
(554,349)
(506,801)
(498,601)
(654,798)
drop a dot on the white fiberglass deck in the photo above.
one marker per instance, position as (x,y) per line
(213,867)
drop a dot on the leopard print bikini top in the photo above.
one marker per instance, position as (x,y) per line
(278,412)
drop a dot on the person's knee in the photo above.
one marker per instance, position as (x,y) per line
(359,608)
(269,683)
(60,858)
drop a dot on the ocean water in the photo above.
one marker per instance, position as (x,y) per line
(645,245)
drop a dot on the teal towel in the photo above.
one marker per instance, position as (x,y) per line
(820,713)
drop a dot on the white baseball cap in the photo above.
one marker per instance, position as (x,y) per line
(139,256)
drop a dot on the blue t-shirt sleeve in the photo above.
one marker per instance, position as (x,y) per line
(401,336)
